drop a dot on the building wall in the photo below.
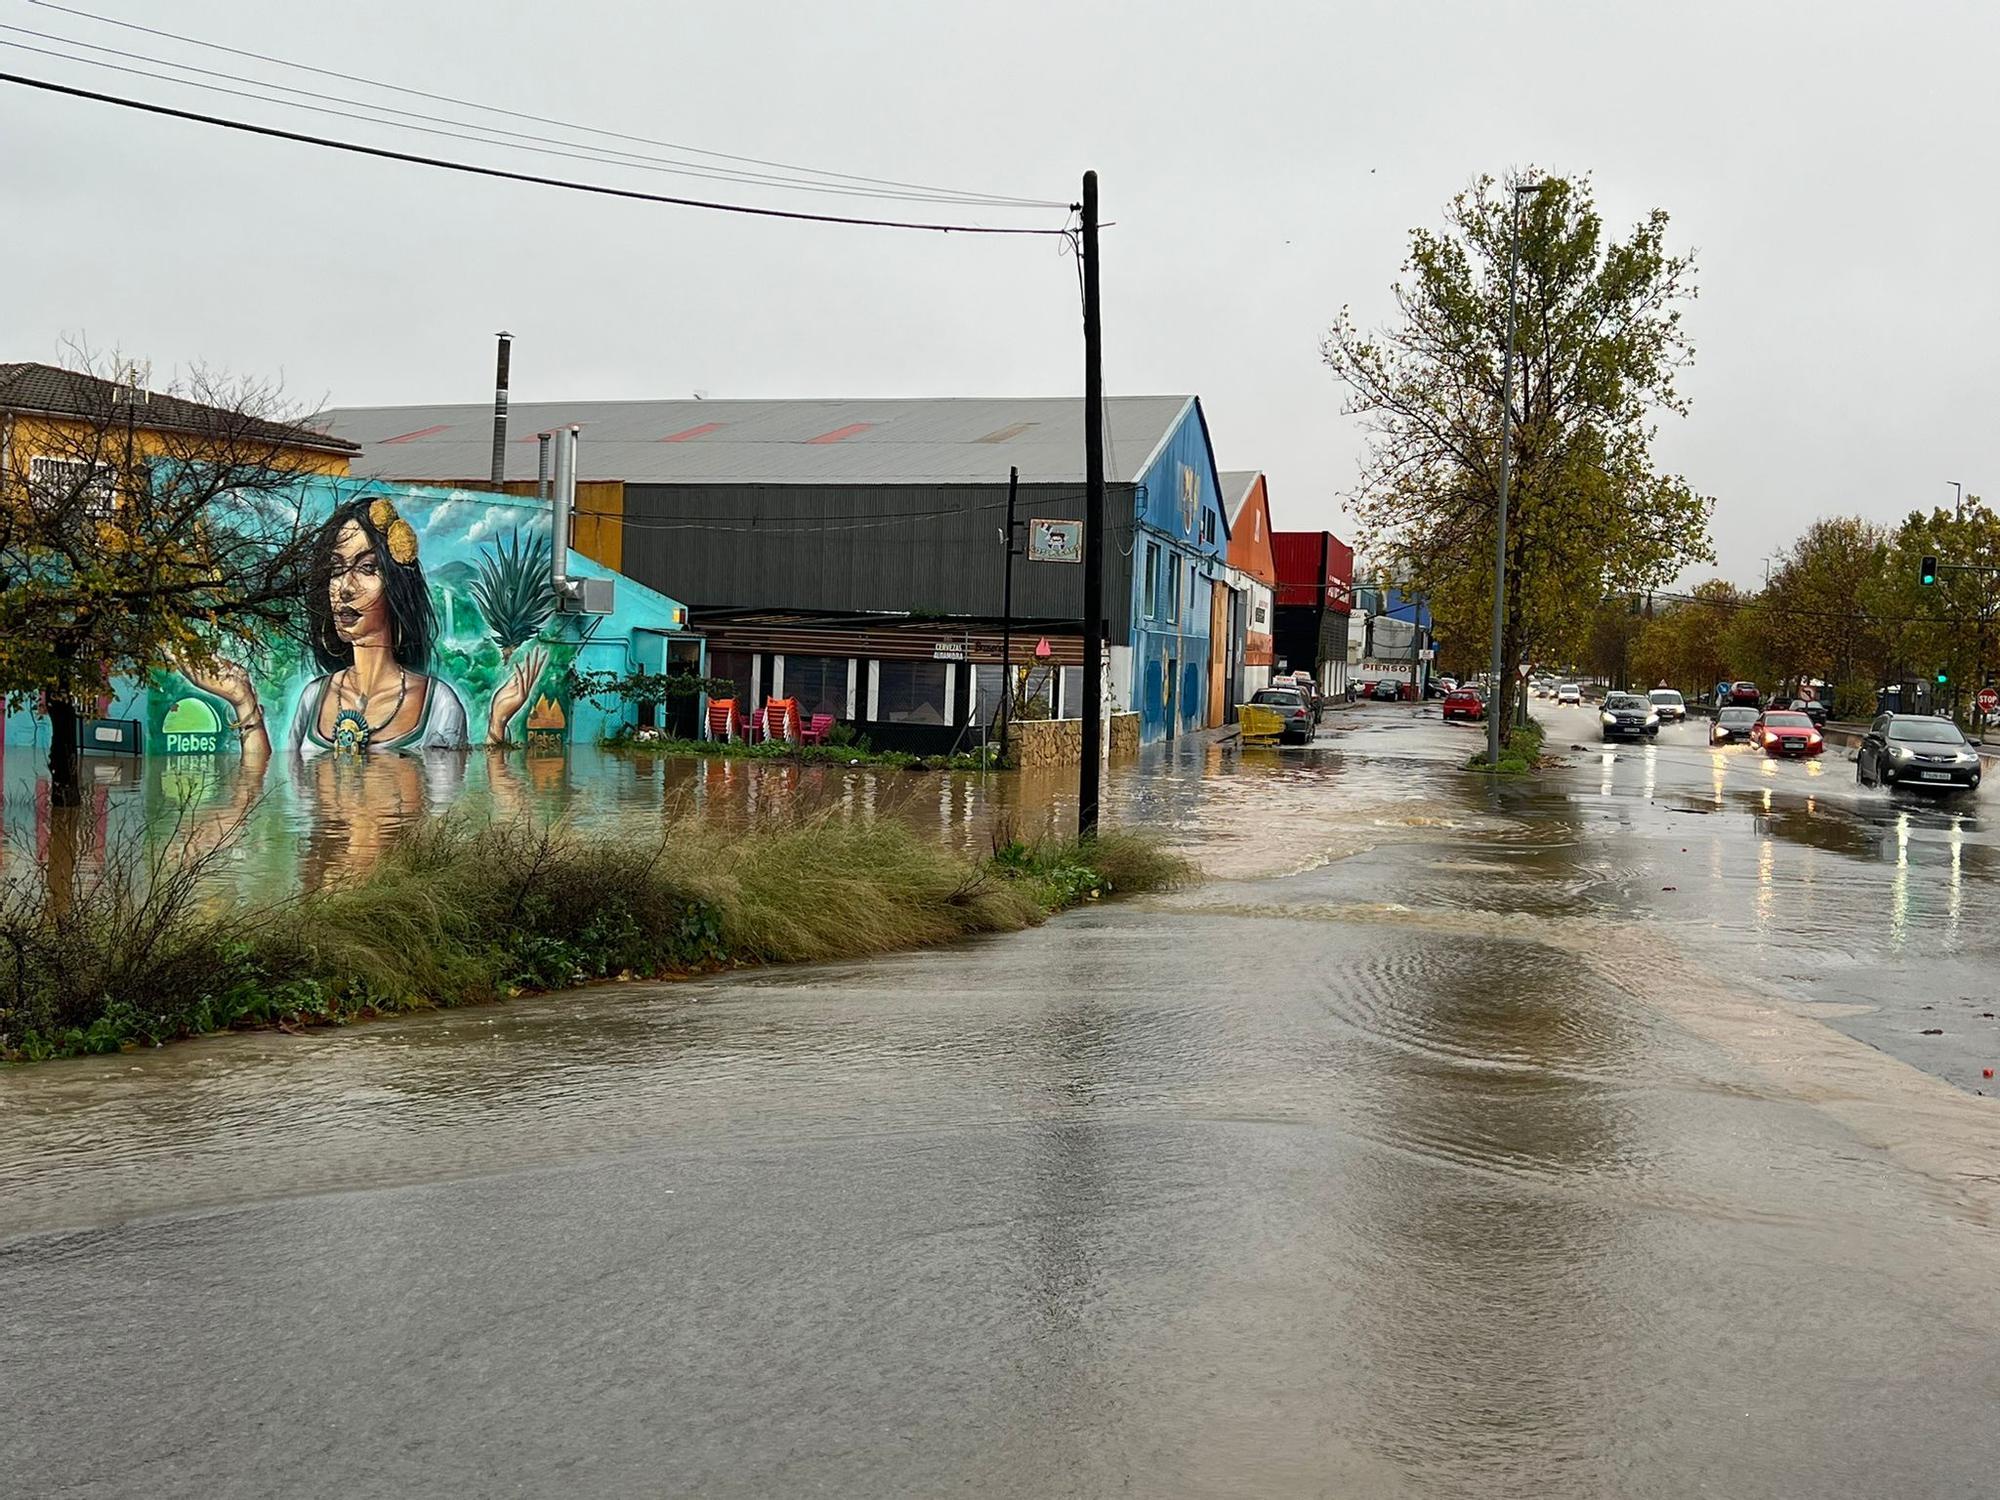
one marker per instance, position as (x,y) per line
(1250,555)
(1180,548)
(863,548)
(459,539)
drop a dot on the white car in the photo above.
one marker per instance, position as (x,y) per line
(1569,692)
(1669,705)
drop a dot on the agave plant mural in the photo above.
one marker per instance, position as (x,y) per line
(513,590)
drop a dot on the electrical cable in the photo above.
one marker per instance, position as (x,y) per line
(385,153)
(547,146)
(599,158)
(416,93)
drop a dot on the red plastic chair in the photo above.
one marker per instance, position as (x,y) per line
(781,719)
(722,720)
(815,731)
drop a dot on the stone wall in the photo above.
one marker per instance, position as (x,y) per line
(1059,742)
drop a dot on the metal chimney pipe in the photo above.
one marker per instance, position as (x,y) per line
(500,409)
(563,501)
(543,439)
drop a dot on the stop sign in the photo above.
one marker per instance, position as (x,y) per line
(1989,699)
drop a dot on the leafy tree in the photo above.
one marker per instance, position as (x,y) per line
(1687,644)
(142,529)
(1827,615)
(1952,625)
(1599,345)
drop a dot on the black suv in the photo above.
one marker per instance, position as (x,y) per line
(1915,750)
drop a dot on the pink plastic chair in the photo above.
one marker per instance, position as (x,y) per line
(816,731)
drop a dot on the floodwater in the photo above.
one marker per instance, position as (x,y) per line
(314,823)
(1577,1138)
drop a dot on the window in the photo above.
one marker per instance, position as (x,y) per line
(1152,580)
(1208,526)
(734,666)
(1173,592)
(911,692)
(1072,692)
(58,481)
(818,684)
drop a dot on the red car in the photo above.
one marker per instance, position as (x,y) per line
(1786,732)
(1463,703)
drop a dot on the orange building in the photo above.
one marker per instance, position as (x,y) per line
(1254,573)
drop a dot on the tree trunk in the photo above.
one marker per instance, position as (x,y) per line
(65,764)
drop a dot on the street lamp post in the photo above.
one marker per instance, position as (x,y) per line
(1958,500)
(1503,672)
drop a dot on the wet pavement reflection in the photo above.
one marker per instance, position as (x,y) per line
(1456,1140)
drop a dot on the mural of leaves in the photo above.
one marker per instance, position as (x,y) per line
(513,590)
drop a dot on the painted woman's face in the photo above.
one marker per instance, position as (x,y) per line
(360,609)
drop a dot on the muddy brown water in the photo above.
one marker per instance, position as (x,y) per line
(1557,1139)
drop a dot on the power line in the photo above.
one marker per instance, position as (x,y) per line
(384,153)
(547,146)
(416,93)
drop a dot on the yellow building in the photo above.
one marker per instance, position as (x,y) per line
(63,428)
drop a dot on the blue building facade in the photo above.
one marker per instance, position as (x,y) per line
(1174,669)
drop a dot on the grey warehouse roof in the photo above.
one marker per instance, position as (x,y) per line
(1236,485)
(968,440)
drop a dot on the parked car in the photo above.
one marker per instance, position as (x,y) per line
(1669,705)
(1464,703)
(1917,751)
(1784,731)
(1308,689)
(1388,690)
(1568,692)
(1292,704)
(1627,716)
(1732,723)
(1812,708)
(1746,694)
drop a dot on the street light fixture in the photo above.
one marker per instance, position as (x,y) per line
(1958,502)
(1502,672)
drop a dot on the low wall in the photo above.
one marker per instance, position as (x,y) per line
(1059,742)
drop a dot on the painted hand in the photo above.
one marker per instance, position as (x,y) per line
(512,695)
(224,679)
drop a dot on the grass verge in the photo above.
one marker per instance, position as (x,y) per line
(461,914)
(1521,753)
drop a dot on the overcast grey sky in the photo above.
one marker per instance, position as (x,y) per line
(1831,162)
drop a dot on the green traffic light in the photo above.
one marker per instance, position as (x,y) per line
(1941,679)
(1928,575)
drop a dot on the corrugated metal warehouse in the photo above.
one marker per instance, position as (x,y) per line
(772,517)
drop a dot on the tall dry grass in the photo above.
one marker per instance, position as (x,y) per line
(461,912)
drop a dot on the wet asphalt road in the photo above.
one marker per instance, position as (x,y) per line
(1570,1138)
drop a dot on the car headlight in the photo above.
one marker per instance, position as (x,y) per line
(1609,718)
(1968,757)
(1901,752)
(1653,717)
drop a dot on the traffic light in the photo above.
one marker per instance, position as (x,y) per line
(1928,575)
(1942,679)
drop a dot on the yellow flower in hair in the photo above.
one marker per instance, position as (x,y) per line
(402,539)
(381,513)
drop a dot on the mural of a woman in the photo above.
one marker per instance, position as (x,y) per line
(370,626)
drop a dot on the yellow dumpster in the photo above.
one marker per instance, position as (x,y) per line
(1263,723)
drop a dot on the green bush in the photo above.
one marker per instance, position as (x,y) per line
(460,913)
(1519,754)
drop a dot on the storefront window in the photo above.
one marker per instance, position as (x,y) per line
(818,684)
(911,692)
(735,667)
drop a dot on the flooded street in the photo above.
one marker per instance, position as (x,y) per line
(1619,1131)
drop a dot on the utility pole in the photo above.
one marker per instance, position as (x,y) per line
(1090,772)
(1007,617)
(1502,673)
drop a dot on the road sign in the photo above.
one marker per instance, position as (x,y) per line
(948,651)
(1522,671)
(1055,541)
(1989,699)
(1427,655)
